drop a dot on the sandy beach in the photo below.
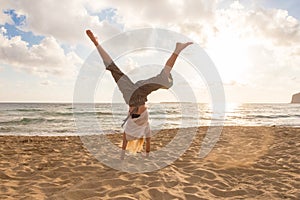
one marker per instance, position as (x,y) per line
(246,163)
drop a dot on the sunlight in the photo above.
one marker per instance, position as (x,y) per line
(229,53)
(231,107)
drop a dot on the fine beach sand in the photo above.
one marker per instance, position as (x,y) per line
(246,163)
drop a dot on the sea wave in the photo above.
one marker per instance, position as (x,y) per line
(271,116)
(100,113)
(26,120)
(59,119)
(27,110)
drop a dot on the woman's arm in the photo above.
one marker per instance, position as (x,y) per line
(123,146)
(148,139)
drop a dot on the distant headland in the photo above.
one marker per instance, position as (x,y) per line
(296,98)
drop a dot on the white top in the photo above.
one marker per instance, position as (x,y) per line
(138,127)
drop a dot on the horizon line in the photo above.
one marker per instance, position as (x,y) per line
(105,102)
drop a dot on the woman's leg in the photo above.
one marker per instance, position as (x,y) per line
(164,79)
(125,85)
(171,61)
(104,55)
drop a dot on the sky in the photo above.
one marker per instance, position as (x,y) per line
(255,46)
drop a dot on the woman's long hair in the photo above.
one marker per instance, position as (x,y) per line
(135,146)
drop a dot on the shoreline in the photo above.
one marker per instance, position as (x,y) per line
(108,132)
(247,162)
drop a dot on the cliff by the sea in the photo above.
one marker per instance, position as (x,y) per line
(296,98)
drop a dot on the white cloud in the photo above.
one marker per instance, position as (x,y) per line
(4,18)
(130,65)
(190,17)
(65,21)
(140,13)
(47,83)
(3,30)
(275,25)
(42,59)
(265,43)
(252,45)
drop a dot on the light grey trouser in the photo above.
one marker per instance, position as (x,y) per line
(135,94)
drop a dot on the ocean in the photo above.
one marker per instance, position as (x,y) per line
(58,119)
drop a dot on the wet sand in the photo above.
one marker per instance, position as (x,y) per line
(246,163)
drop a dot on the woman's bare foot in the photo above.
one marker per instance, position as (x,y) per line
(92,37)
(180,46)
